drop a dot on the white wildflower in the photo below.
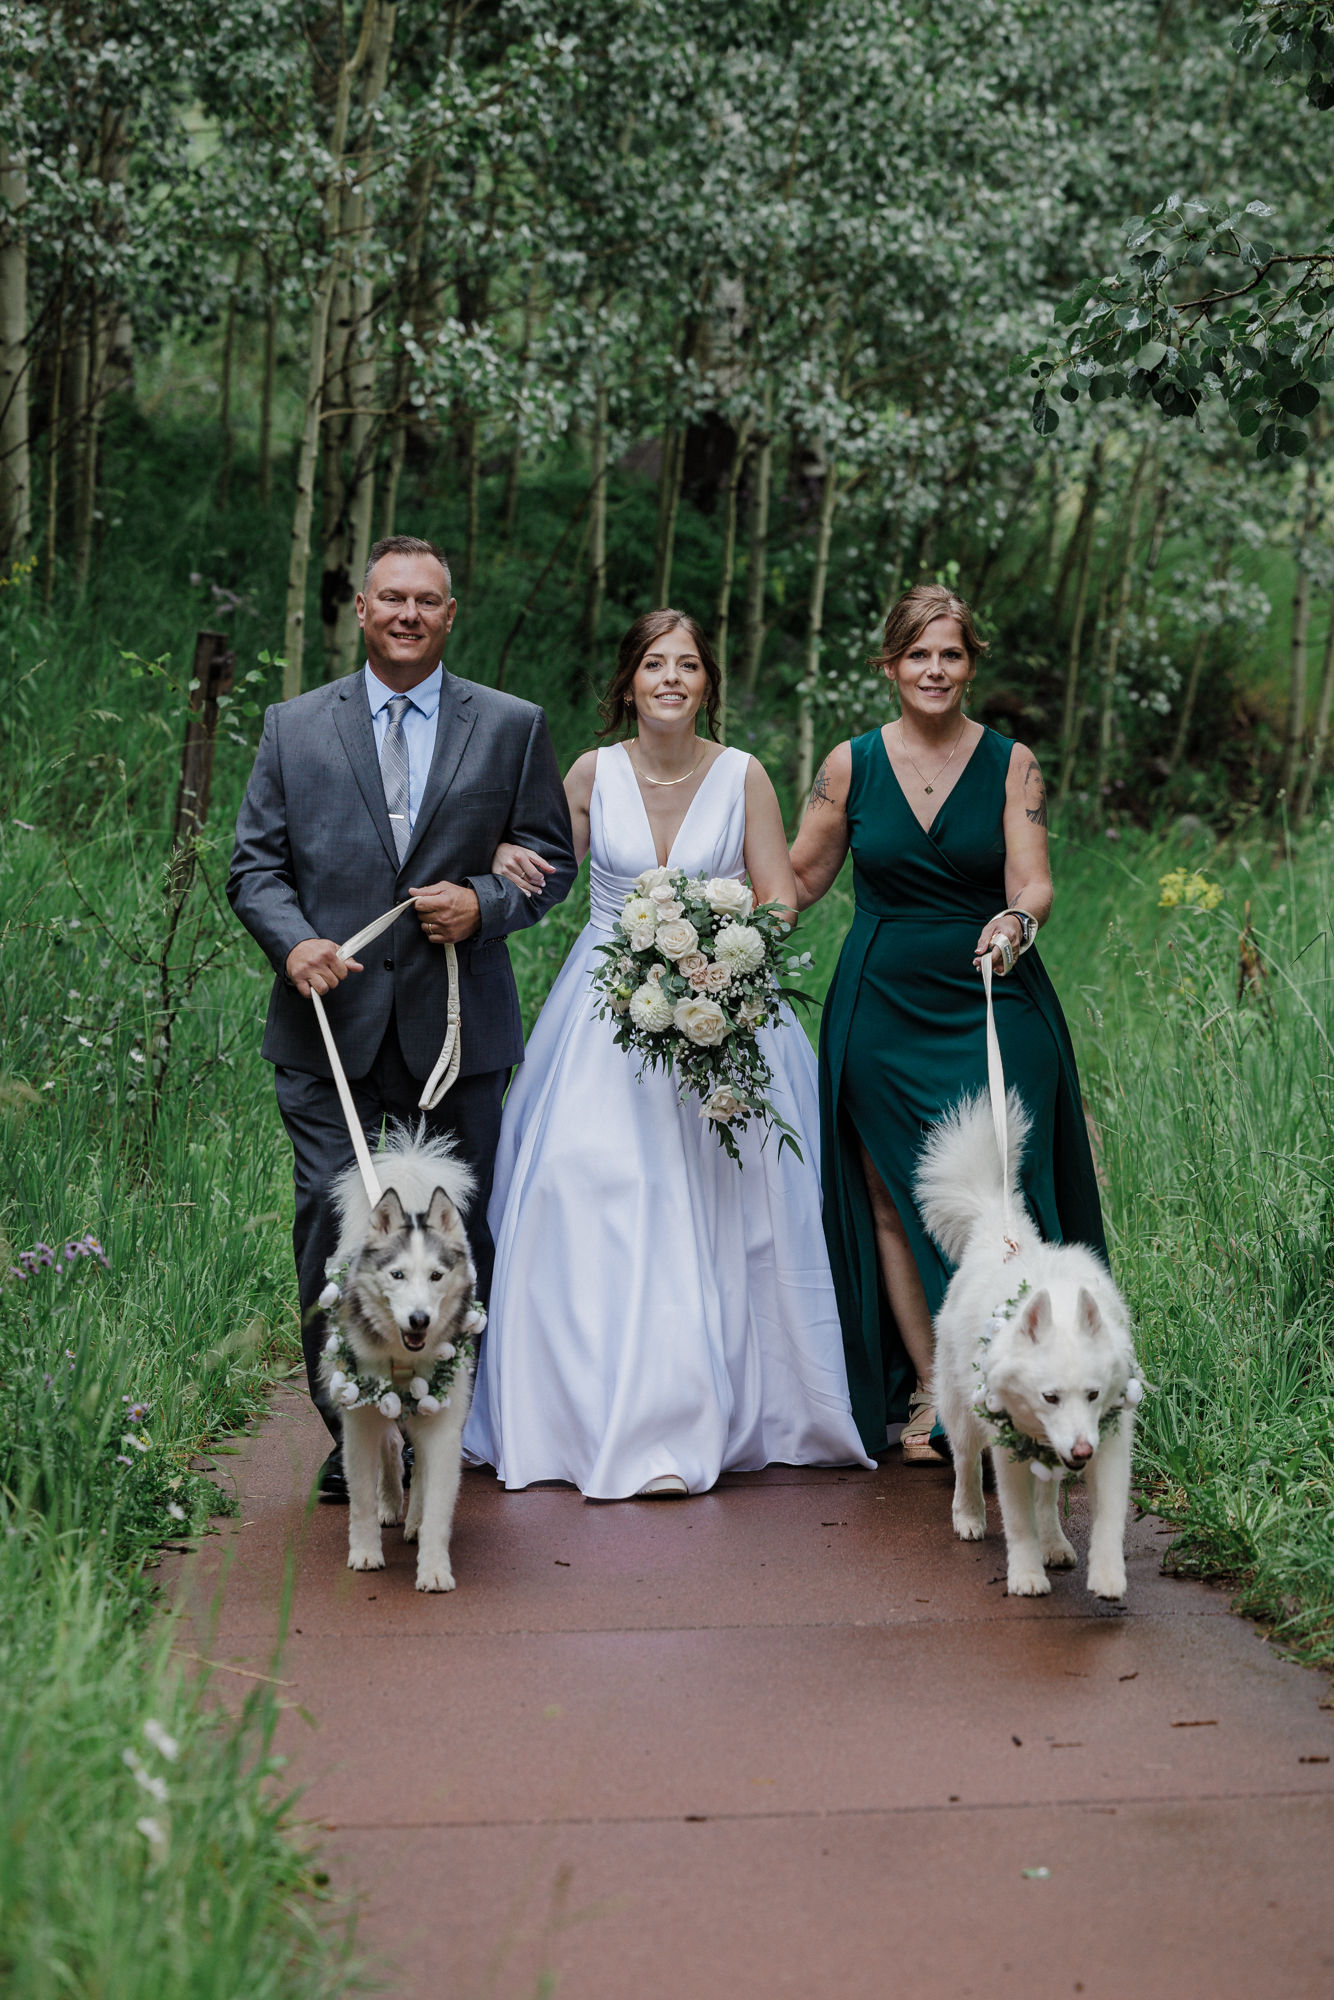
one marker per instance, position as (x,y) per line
(165,1744)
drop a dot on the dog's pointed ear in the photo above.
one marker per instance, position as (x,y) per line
(441,1211)
(1087,1316)
(1036,1316)
(388,1215)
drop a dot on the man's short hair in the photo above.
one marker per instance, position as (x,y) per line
(407,545)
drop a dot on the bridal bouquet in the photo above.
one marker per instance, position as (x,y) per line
(693,974)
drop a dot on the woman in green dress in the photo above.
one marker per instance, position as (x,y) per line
(946,823)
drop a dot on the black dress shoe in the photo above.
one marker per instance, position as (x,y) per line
(333,1480)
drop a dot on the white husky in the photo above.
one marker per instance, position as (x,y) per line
(401,1351)
(1033,1358)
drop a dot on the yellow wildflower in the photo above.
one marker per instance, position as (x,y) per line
(1188,890)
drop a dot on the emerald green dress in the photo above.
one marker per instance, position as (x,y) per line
(904,1037)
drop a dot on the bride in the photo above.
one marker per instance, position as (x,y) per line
(658,1315)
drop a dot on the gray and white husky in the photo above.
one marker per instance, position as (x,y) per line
(400,1355)
(1033,1358)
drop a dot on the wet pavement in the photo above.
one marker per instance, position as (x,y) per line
(786,1738)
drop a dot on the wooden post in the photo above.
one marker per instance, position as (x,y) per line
(214,665)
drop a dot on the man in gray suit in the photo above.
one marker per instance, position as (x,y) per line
(396,781)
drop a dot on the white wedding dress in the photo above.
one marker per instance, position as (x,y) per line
(654,1309)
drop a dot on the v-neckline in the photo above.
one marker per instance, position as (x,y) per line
(685,817)
(929,831)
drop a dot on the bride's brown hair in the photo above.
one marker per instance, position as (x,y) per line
(616,703)
(910,615)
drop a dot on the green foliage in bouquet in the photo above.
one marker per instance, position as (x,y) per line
(696,970)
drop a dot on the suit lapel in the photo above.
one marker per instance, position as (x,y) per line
(352,718)
(454,725)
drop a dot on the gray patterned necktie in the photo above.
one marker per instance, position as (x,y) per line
(394,772)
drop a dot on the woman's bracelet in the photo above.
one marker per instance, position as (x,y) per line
(1028,926)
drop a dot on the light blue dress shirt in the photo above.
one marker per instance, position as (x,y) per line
(419,725)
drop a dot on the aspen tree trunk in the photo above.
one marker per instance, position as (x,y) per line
(15,459)
(810,679)
(757,548)
(723,608)
(294,631)
(515,467)
(421,174)
(669,501)
(1295,735)
(471,487)
(1112,649)
(1086,529)
(1157,535)
(1198,658)
(359,363)
(1076,547)
(333,440)
(90,436)
(266,387)
(1320,741)
(53,451)
(228,366)
(597,529)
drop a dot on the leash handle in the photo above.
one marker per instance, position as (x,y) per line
(996,1091)
(442,1077)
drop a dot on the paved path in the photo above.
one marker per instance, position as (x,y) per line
(790,1738)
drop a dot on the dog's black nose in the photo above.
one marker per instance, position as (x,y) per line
(419,1321)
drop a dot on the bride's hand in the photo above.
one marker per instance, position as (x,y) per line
(522,867)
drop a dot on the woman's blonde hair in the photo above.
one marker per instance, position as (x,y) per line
(910,615)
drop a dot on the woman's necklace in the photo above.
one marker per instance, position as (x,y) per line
(917,767)
(644,776)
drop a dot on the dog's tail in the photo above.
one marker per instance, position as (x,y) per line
(958,1177)
(414,1167)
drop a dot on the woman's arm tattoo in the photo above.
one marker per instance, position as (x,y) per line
(820,795)
(1035,796)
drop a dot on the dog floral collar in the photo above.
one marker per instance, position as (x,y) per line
(1042,1461)
(425,1395)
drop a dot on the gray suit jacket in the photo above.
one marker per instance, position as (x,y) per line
(315,858)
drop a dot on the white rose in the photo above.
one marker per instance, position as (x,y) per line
(419,1387)
(389,1405)
(656,974)
(642,937)
(637,912)
(448,1351)
(620,1000)
(336,1381)
(717,978)
(669,910)
(661,892)
(427,1406)
(724,1105)
(347,1395)
(654,878)
(329,1296)
(751,1013)
(650,1008)
(690,963)
(675,940)
(727,897)
(741,947)
(331,1344)
(702,1022)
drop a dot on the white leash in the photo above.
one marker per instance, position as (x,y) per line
(999,1112)
(440,1080)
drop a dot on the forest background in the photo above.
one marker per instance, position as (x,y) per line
(763,309)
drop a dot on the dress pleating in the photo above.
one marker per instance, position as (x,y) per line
(655,1309)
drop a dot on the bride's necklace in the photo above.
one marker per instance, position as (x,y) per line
(644,777)
(930,785)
